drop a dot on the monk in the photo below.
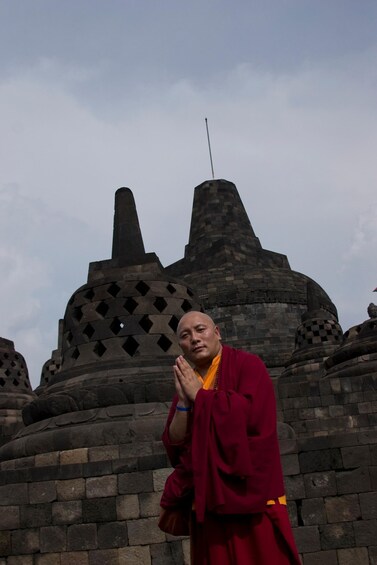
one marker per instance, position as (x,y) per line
(226,489)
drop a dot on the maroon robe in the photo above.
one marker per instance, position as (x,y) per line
(229,461)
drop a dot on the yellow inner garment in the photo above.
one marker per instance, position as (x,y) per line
(210,377)
(209,382)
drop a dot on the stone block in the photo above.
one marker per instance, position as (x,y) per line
(73,471)
(320,484)
(69,512)
(81,537)
(343,439)
(365,407)
(5,543)
(292,513)
(312,461)
(104,557)
(9,517)
(53,539)
(299,402)
(365,532)
(368,437)
(307,539)
(328,400)
(373,477)
(336,411)
(97,487)
(356,456)
(35,515)
(313,512)
(127,507)
(288,445)
(352,481)
(149,504)
(353,556)
(25,541)
(320,558)
(167,553)
(99,510)
(373,555)
(144,532)
(128,465)
(159,478)
(103,453)
(368,504)
(344,508)
(294,487)
(134,555)
(73,456)
(337,536)
(75,558)
(47,459)
(39,474)
(48,559)
(20,560)
(71,489)
(44,491)
(14,494)
(112,534)
(290,464)
(134,483)
(306,414)
(314,401)
(154,461)
(97,468)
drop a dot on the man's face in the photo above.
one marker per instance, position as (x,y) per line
(199,338)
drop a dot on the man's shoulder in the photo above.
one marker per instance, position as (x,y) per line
(241,355)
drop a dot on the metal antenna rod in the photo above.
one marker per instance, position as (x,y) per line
(209,147)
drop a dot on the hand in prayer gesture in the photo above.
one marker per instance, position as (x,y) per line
(187,383)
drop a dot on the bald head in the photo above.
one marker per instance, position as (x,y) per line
(186,318)
(199,338)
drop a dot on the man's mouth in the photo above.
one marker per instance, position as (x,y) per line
(198,348)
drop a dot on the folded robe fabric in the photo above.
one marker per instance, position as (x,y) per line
(229,460)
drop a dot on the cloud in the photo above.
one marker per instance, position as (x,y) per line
(300,145)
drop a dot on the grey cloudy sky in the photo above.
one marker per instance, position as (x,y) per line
(95,95)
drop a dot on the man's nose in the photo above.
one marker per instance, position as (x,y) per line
(194,337)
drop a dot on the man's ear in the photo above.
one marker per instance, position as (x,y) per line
(217,332)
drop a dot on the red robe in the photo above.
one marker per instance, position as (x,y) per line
(229,461)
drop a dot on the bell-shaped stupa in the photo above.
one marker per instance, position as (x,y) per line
(15,389)
(253,294)
(116,347)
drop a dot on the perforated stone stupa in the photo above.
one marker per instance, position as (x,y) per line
(15,390)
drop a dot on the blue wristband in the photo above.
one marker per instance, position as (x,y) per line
(183,408)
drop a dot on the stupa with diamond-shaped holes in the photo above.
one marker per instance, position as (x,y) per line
(117,346)
(15,390)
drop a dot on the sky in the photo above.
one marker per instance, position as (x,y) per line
(99,94)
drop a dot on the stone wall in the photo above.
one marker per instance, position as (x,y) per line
(88,506)
(99,506)
(331,405)
(331,485)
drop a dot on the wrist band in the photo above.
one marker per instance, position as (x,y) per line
(183,408)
